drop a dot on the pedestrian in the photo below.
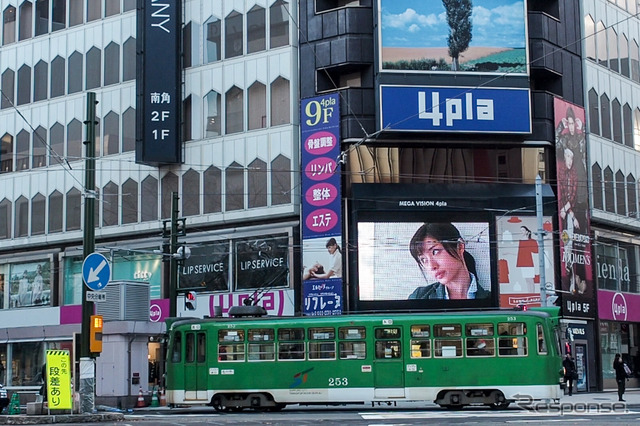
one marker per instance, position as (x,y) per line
(569,372)
(621,375)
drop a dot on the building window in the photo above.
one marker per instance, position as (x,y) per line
(76,12)
(191,193)
(631,196)
(169,186)
(75,72)
(22,217)
(601,43)
(612,37)
(257,183)
(627,123)
(74,140)
(57,76)
(234,111)
(149,202)
(257,106)
(6,153)
(233,35)
(621,203)
(112,64)
(280,102)
(187,45)
(40,80)
(58,15)
(624,56)
(278,24)
(256,27)
(38,203)
(129,201)
(5,219)
(635,61)
(609,200)
(24,85)
(110,204)
(129,59)
(212,190)
(111,7)
(8,81)
(129,5)
(186,119)
(594,113)
(39,148)
(74,209)
(212,114)
(636,129)
(9,25)
(56,142)
(596,176)
(616,114)
(234,187)
(111,137)
(25,29)
(94,10)
(605,116)
(55,212)
(23,154)
(281,180)
(94,68)
(590,37)
(129,130)
(42,17)
(212,42)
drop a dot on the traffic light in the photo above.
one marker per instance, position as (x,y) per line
(95,334)
(190,301)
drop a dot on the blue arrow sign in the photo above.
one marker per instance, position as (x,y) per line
(96,271)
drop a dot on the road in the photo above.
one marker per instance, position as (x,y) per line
(601,414)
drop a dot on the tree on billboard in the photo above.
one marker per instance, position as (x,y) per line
(459,20)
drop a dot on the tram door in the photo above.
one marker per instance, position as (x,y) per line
(195,366)
(388,368)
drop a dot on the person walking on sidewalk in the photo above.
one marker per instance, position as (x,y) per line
(621,375)
(569,372)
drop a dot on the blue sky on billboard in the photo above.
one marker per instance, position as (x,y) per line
(419,23)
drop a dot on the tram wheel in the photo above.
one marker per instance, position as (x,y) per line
(217,405)
(500,405)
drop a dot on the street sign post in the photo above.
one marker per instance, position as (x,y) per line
(96,271)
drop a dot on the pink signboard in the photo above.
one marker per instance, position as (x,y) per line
(618,306)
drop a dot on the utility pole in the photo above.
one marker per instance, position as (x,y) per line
(541,232)
(173,262)
(87,363)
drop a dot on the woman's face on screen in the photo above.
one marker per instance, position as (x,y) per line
(439,264)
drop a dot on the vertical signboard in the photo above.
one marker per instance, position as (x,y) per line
(321,206)
(158,83)
(576,270)
(58,379)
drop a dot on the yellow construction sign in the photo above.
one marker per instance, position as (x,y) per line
(58,378)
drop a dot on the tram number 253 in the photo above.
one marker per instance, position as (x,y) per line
(338,381)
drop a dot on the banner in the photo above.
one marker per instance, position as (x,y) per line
(321,206)
(58,379)
(576,270)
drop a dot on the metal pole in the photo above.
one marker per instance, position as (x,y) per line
(541,232)
(173,262)
(87,368)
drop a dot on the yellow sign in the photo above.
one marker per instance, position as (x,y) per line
(58,377)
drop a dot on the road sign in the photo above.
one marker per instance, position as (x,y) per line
(96,296)
(96,271)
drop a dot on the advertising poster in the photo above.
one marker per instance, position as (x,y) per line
(479,36)
(30,284)
(207,268)
(576,269)
(321,206)
(439,261)
(262,263)
(519,259)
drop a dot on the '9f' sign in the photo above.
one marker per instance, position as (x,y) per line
(319,111)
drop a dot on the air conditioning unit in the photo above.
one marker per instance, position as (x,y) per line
(126,301)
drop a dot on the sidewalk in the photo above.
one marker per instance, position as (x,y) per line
(632,398)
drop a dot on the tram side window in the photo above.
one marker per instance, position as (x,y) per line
(445,344)
(191,348)
(176,353)
(420,344)
(291,345)
(350,349)
(473,330)
(231,345)
(319,347)
(512,340)
(480,347)
(542,343)
(202,347)
(265,349)
(386,349)
(322,333)
(351,333)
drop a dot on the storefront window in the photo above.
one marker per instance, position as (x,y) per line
(27,359)
(616,266)
(622,338)
(30,284)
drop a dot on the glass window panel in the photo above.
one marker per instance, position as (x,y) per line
(627,124)
(39,148)
(58,14)
(57,76)
(75,72)
(94,68)
(26,25)
(388,349)
(129,130)
(22,217)
(322,333)
(388,333)
(631,196)
(76,12)
(23,152)
(129,5)
(24,85)
(129,59)
(605,116)
(130,201)
(616,114)
(447,330)
(234,116)
(290,351)
(8,85)
(234,187)
(56,141)
(42,17)
(590,37)
(480,347)
(110,204)
(94,10)
(233,35)
(256,27)
(322,350)
(187,119)
(149,200)
(352,332)
(40,80)
(261,334)
(5,219)
(74,140)
(512,328)
(38,203)
(447,348)
(73,210)
(609,201)
(281,180)
(279,24)
(9,25)
(212,190)
(353,350)
(6,153)
(257,182)
(233,352)
(635,61)
(621,202)
(420,348)
(594,112)
(542,341)
(112,64)
(257,106)
(601,43)
(212,42)
(111,7)
(614,58)
(624,56)
(212,114)
(55,212)
(111,137)
(280,102)
(262,351)
(169,185)
(176,348)
(26,363)
(512,346)
(291,334)
(479,329)
(187,45)
(191,193)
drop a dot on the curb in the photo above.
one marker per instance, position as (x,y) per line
(22,419)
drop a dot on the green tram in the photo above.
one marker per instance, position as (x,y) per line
(488,358)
